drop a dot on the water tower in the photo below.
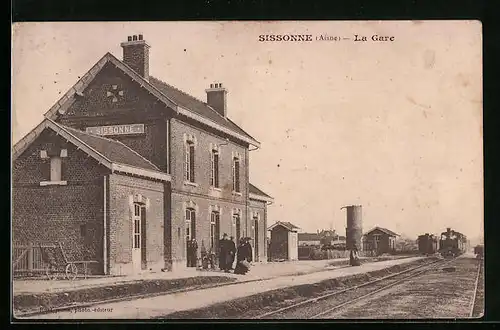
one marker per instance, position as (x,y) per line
(354,232)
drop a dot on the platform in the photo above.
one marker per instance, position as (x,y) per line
(163,305)
(259,271)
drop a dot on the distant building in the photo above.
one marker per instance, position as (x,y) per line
(309,239)
(379,240)
(284,241)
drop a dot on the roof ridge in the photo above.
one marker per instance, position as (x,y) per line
(112,140)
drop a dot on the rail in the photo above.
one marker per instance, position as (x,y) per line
(474,295)
(336,293)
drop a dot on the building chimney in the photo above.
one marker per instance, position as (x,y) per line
(136,54)
(217,98)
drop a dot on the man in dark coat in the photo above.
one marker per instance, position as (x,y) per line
(231,252)
(243,257)
(223,251)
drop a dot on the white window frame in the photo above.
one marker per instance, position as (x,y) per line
(213,227)
(136,226)
(189,162)
(188,220)
(214,175)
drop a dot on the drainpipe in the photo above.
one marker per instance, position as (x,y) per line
(105,231)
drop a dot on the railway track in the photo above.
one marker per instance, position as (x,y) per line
(330,302)
(475,309)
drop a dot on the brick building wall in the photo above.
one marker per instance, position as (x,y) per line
(259,208)
(136,106)
(71,214)
(122,190)
(201,194)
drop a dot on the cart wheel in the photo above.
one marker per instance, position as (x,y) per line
(71,271)
(51,272)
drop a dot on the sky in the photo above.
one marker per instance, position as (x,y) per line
(395,126)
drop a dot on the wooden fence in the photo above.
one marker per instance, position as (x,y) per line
(27,259)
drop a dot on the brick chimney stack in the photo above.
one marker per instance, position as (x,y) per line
(217,98)
(136,54)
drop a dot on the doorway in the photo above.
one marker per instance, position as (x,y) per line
(256,235)
(139,238)
(190,234)
(237,224)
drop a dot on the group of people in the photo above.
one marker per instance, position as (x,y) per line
(228,252)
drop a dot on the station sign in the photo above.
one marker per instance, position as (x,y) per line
(130,129)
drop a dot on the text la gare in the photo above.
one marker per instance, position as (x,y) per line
(374,37)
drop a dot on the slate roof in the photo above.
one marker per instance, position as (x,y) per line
(254,190)
(166,93)
(191,103)
(384,230)
(115,151)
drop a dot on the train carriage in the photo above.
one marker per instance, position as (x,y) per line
(427,244)
(479,251)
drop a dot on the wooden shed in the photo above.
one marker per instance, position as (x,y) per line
(284,241)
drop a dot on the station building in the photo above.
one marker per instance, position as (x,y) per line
(125,168)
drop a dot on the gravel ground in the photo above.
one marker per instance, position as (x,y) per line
(436,294)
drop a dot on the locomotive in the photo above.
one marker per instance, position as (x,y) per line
(427,244)
(452,243)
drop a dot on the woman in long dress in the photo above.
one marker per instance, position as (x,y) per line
(243,257)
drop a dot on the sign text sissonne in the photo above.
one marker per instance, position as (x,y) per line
(116,129)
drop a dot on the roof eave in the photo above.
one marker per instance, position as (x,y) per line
(260,198)
(190,114)
(141,172)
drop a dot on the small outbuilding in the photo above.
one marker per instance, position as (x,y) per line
(284,241)
(379,240)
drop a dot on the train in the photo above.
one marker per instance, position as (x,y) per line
(452,243)
(479,251)
(428,244)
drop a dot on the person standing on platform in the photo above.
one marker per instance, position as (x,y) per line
(243,257)
(231,253)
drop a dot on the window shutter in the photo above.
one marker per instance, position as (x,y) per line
(186,163)
(216,170)
(234,175)
(212,167)
(237,176)
(193,224)
(191,162)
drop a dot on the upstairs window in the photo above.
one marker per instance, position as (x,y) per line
(214,169)
(189,161)
(236,174)
(54,176)
(55,168)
